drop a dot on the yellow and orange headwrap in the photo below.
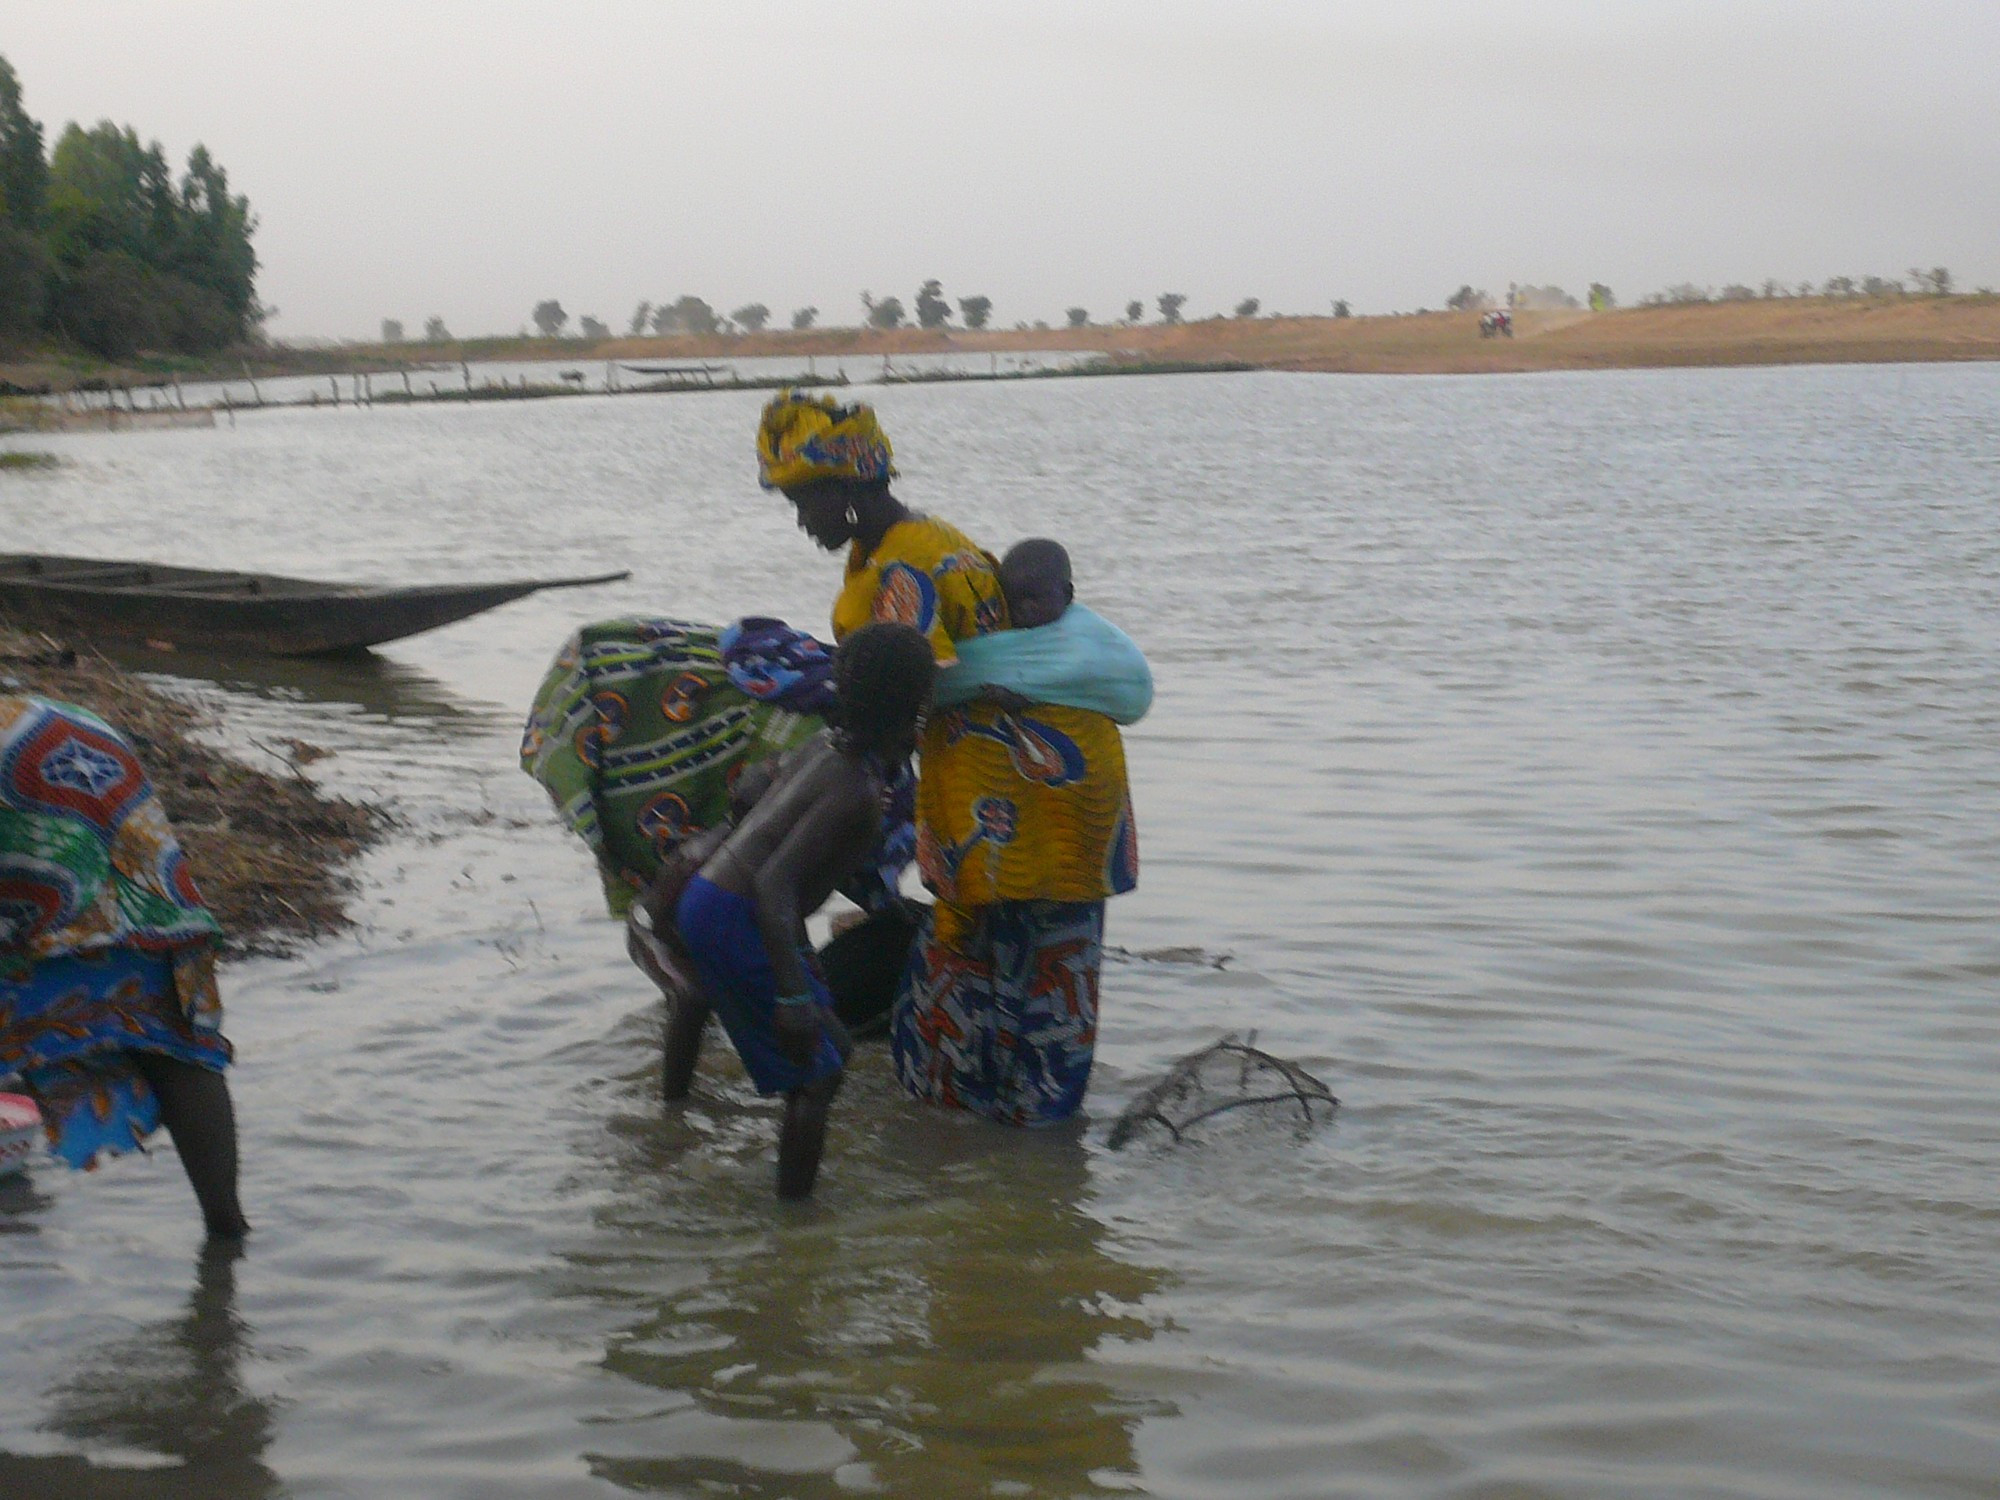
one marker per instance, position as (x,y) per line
(806,438)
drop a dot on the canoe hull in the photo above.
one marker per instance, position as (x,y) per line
(197,609)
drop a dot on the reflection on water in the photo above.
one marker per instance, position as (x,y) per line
(20,1203)
(172,1389)
(927,1328)
(381,685)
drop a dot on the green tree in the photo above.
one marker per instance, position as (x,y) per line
(214,250)
(100,232)
(1247,308)
(24,281)
(932,310)
(592,327)
(118,227)
(392,331)
(1602,299)
(1079,317)
(24,175)
(687,314)
(641,315)
(434,330)
(975,310)
(1342,310)
(1170,305)
(549,318)
(752,315)
(1134,311)
(107,193)
(24,171)
(886,313)
(804,317)
(112,305)
(1467,299)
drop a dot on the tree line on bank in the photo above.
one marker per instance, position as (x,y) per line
(101,249)
(689,314)
(1935,282)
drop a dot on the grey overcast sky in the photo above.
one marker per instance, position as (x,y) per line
(469,159)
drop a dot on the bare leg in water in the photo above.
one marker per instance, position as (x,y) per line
(802,1136)
(687,1008)
(687,1018)
(195,1108)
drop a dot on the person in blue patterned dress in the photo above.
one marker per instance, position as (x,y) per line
(108,1006)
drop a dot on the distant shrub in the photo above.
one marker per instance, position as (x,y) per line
(549,318)
(932,310)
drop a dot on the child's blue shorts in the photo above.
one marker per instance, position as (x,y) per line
(719,930)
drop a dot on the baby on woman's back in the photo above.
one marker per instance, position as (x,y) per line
(1058,651)
(1035,577)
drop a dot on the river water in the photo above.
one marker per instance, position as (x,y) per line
(1594,778)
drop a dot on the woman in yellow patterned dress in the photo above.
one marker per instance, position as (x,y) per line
(1024,818)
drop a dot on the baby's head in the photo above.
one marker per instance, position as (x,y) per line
(1034,575)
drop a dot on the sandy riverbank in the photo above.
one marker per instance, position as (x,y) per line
(1801,330)
(1789,330)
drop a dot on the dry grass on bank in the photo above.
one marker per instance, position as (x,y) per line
(1788,330)
(268,848)
(1783,330)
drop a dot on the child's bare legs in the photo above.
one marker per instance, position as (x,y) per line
(802,1136)
(687,1008)
(687,1018)
(195,1108)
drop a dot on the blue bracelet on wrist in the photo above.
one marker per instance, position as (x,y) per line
(804,997)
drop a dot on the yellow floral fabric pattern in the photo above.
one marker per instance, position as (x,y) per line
(804,439)
(1028,805)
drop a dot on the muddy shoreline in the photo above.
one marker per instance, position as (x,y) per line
(269,848)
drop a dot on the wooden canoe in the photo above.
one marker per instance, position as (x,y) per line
(202,608)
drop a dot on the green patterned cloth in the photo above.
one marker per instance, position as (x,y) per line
(638,732)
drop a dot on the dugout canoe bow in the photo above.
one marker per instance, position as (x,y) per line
(206,608)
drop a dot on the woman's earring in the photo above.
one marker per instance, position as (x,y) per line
(853,520)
